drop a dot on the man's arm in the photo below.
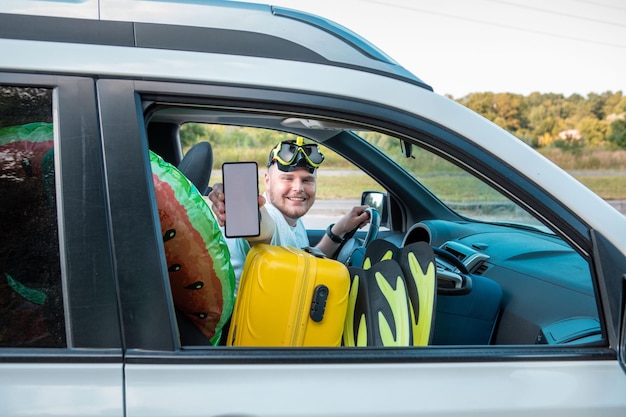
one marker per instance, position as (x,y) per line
(355,218)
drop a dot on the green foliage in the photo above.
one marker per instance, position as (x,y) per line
(555,120)
(593,131)
(192,133)
(618,133)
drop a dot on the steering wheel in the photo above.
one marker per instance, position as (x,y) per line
(457,282)
(352,246)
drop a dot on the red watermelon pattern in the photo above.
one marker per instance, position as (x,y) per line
(201,276)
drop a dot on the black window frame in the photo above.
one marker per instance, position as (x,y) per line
(123,101)
(90,301)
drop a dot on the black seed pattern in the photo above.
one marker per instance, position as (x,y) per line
(195,286)
(27,166)
(169,234)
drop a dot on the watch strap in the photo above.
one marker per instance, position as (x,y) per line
(333,236)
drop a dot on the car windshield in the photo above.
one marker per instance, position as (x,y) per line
(462,192)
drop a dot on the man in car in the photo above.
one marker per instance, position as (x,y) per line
(290,187)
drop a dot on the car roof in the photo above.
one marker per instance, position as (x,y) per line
(213,26)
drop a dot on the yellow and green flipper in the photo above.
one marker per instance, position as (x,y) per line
(379,250)
(417,261)
(378,307)
(392,298)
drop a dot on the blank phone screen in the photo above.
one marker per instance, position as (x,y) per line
(241,190)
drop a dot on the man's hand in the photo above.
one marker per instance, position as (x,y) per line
(218,205)
(216,198)
(354,219)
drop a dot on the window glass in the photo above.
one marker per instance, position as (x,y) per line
(459,190)
(31,305)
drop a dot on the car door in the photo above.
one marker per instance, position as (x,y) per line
(163,378)
(60,344)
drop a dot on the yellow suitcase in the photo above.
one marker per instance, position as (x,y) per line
(289,297)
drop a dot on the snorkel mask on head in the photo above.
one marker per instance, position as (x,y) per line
(290,155)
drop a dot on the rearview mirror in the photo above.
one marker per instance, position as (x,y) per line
(407,149)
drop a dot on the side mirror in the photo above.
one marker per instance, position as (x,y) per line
(377,200)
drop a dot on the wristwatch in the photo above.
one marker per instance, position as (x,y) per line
(333,236)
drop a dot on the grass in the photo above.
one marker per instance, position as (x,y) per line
(336,186)
(584,159)
(602,171)
(609,187)
(330,186)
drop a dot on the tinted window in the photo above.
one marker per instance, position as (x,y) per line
(31,307)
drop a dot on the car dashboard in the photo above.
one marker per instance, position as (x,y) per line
(547,291)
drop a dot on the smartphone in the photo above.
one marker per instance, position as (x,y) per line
(241,190)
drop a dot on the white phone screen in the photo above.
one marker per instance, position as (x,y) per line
(241,190)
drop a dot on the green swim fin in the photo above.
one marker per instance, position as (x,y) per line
(417,261)
(379,250)
(378,307)
(392,298)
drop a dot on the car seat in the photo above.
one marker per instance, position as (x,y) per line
(196,165)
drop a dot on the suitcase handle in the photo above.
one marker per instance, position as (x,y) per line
(314,251)
(318,305)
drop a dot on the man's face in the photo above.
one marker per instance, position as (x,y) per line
(293,193)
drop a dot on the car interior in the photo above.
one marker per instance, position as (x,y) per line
(498,283)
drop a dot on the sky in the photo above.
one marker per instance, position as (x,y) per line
(516,46)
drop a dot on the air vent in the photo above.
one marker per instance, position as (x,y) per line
(461,256)
(481,269)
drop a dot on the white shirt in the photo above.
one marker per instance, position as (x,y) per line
(284,235)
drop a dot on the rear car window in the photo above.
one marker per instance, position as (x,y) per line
(31,302)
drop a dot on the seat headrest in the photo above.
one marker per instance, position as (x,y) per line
(197,164)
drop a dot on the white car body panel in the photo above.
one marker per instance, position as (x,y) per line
(482,388)
(225,15)
(83,9)
(83,389)
(407,389)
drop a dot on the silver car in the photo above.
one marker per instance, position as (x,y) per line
(88,326)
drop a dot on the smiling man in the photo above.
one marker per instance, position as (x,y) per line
(290,186)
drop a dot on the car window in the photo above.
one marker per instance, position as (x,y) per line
(527,285)
(31,304)
(459,190)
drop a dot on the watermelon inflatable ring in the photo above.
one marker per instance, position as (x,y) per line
(201,275)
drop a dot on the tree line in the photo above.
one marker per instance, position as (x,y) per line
(548,120)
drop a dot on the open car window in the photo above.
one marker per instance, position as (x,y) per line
(528,286)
